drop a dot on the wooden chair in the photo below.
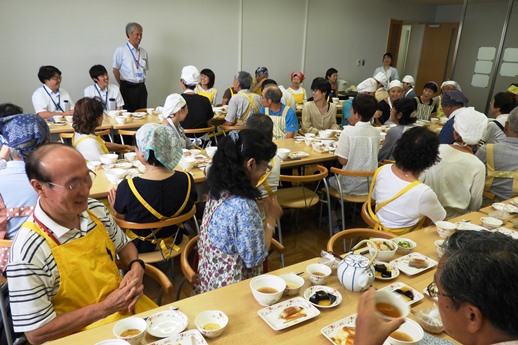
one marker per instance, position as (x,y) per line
(5,245)
(200,133)
(189,260)
(127,132)
(353,236)
(386,161)
(367,217)
(158,255)
(8,335)
(343,197)
(160,277)
(301,197)
(228,128)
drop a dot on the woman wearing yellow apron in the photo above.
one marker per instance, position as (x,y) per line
(159,193)
(88,115)
(206,86)
(401,201)
(296,90)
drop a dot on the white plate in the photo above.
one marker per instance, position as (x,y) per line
(192,337)
(270,314)
(469,226)
(391,266)
(60,123)
(509,232)
(312,289)
(299,137)
(499,206)
(138,117)
(298,154)
(398,285)
(166,323)
(331,330)
(324,139)
(402,263)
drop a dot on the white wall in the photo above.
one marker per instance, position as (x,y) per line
(74,35)
(448,14)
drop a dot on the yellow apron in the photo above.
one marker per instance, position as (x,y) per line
(379,226)
(492,172)
(263,182)
(209,93)
(248,111)
(279,123)
(87,276)
(96,138)
(298,97)
(166,244)
(440,111)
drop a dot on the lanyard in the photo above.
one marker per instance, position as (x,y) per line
(137,64)
(99,92)
(56,105)
(47,231)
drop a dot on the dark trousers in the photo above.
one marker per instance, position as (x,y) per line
(134,95)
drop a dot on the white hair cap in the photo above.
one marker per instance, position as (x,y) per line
(173,103)
(470,124)
(368,85)
(395,83)
(381,78)
(451,82)
(409,79)
(190,75)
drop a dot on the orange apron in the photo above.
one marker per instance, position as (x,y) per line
(89,275)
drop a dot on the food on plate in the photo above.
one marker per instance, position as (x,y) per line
(388,309)
(404,244)
(292,313)
(405,291)
(267,290)
(323,298)
(211,326)
(344,336)
(384,245)
(417,263)
(382,270)
(130,332)
(399,335)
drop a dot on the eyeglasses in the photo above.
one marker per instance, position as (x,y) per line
(75,185)
(56,78)
(434,292)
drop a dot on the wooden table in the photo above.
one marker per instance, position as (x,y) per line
(67,128)
(313,158)
(133,123)
(245,326)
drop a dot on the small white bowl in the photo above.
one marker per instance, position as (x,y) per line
(128,323)
(211,323)
(283,153)
(293,283)
(194,152)
(93,165)
(445,229)
(309,135)
(434,120)
(121,120)
(440,249)
(324,134)
(383,255)
(58,118)
(130,156)
(115,175)
(109,158)
(113,113)
(410,328)
(267,281)
(166,323)
(211,151)
(150,110)
(69,118)
(491,222)
(502,215)
(404,250)
(318,273)
(395,300)
(113,342)
(443,120)
(187,163)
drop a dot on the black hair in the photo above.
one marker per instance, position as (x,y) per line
(273,93)
(267,82)
(432,86)
(321,84)
(210,74)
(97,70)
(261,123)
(389,55)
(330,72)
(365,106)
(47,72)
(406,107)
(227,173)
(505,101)
(417,150)
(8,109)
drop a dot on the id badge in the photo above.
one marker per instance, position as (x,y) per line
(139,75)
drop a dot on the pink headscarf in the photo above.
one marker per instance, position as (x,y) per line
(298,74)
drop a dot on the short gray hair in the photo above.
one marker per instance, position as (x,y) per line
(244,79)
(512,119)
(130,27)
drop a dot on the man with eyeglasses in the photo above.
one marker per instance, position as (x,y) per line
(475,286)
(50,100)
(62,273)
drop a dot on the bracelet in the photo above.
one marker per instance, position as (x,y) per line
(141,263)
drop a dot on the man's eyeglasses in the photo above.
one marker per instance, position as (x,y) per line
(75,185)
(56,78)
(434,292)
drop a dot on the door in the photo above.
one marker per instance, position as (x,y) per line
(436,54)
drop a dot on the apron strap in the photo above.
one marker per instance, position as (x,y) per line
(96,138)
(263,181)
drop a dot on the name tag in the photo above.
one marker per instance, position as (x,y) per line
(139,75)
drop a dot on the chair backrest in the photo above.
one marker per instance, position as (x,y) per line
(124,224)
(103,132)
(4,256)
(366,216)
(7,334)
(189,271)
(66,138)
(356,233)
(209,129)
(227,128)
(141,110)
(127,132)
(322,174)
(386,161)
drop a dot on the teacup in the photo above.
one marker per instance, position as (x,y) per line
(318,273)
(443,120)
(187,163)
(133,324)
(390,305)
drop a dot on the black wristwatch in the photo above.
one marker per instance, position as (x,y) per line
(141,263)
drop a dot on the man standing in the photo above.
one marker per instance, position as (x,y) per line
(130,63)
(244,103)
(62,272)
(102,88)
(285,122)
